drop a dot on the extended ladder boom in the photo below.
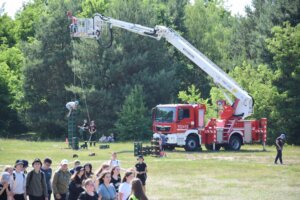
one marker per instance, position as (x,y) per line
(244,107)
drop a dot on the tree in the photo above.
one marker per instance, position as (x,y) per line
(109,74)
(192,96)
(285,48)
(258,82)
(134,122)
(46,72)
(209,30)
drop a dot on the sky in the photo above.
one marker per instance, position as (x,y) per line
(235,6)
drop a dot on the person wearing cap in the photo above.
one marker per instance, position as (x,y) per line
(75,186)
(46,168)
(36,187)
(4,186)
(61,180)
(76,164)
(18,182)
(72,105)
(279,142)
(141,171)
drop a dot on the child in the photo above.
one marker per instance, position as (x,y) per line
(4,185)
(141,171)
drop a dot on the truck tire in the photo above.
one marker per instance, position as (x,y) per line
(210,147)
(191,143)
(234,143)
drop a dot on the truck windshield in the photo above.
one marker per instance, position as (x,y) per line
(165,114)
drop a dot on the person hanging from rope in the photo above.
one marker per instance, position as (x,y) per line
(92,131)
(83,129)
(72,105)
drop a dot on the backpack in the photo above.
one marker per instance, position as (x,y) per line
(30,178)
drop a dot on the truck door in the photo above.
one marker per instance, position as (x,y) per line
(183,119)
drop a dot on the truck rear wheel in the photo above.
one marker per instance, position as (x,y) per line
(235,143)
(191,143)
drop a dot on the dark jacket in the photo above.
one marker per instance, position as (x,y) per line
(75,188)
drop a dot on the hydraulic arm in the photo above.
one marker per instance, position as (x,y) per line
(242,107)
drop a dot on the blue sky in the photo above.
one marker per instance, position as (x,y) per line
(235,6)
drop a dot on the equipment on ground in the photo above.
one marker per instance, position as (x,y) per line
(183,124)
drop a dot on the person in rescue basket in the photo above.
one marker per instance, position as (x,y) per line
(18,182)
(46,168)
(61,180)
(279,142)
(36,187)
(76,182)
(141,171)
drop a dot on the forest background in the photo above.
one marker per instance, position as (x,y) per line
(42,67)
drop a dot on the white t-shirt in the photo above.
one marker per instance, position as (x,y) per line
(114,163)
(18,184)
(71,105)
(125,189)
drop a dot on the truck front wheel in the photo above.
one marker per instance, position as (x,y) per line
(191,143)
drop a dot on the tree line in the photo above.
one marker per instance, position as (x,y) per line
(42,67)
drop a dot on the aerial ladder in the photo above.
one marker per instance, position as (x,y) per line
(237,109)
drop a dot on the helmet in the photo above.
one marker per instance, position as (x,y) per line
(76,102)
(282,136)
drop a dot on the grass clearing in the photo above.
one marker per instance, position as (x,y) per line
(247,174)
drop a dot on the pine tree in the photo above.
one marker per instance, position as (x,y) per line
(46,72)
(134,123)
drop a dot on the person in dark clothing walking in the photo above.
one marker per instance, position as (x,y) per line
(75,186)
(279,145)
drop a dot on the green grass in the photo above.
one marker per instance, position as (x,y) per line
(247,174)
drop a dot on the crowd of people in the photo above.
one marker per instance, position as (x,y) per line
(80,182)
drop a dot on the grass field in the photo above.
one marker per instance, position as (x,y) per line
(247,174)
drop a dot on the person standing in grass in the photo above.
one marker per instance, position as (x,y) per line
(18,182)
(106,191)
(4,186)
(125,187)
(75,186)
(89,193)
(36,187)
(279,145)
(141,171)
(116,177)
(88,173)
(76,164)
(46,168)
(137,192)
(92,131)
(61,180)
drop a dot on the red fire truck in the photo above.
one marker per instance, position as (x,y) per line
(184,124)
